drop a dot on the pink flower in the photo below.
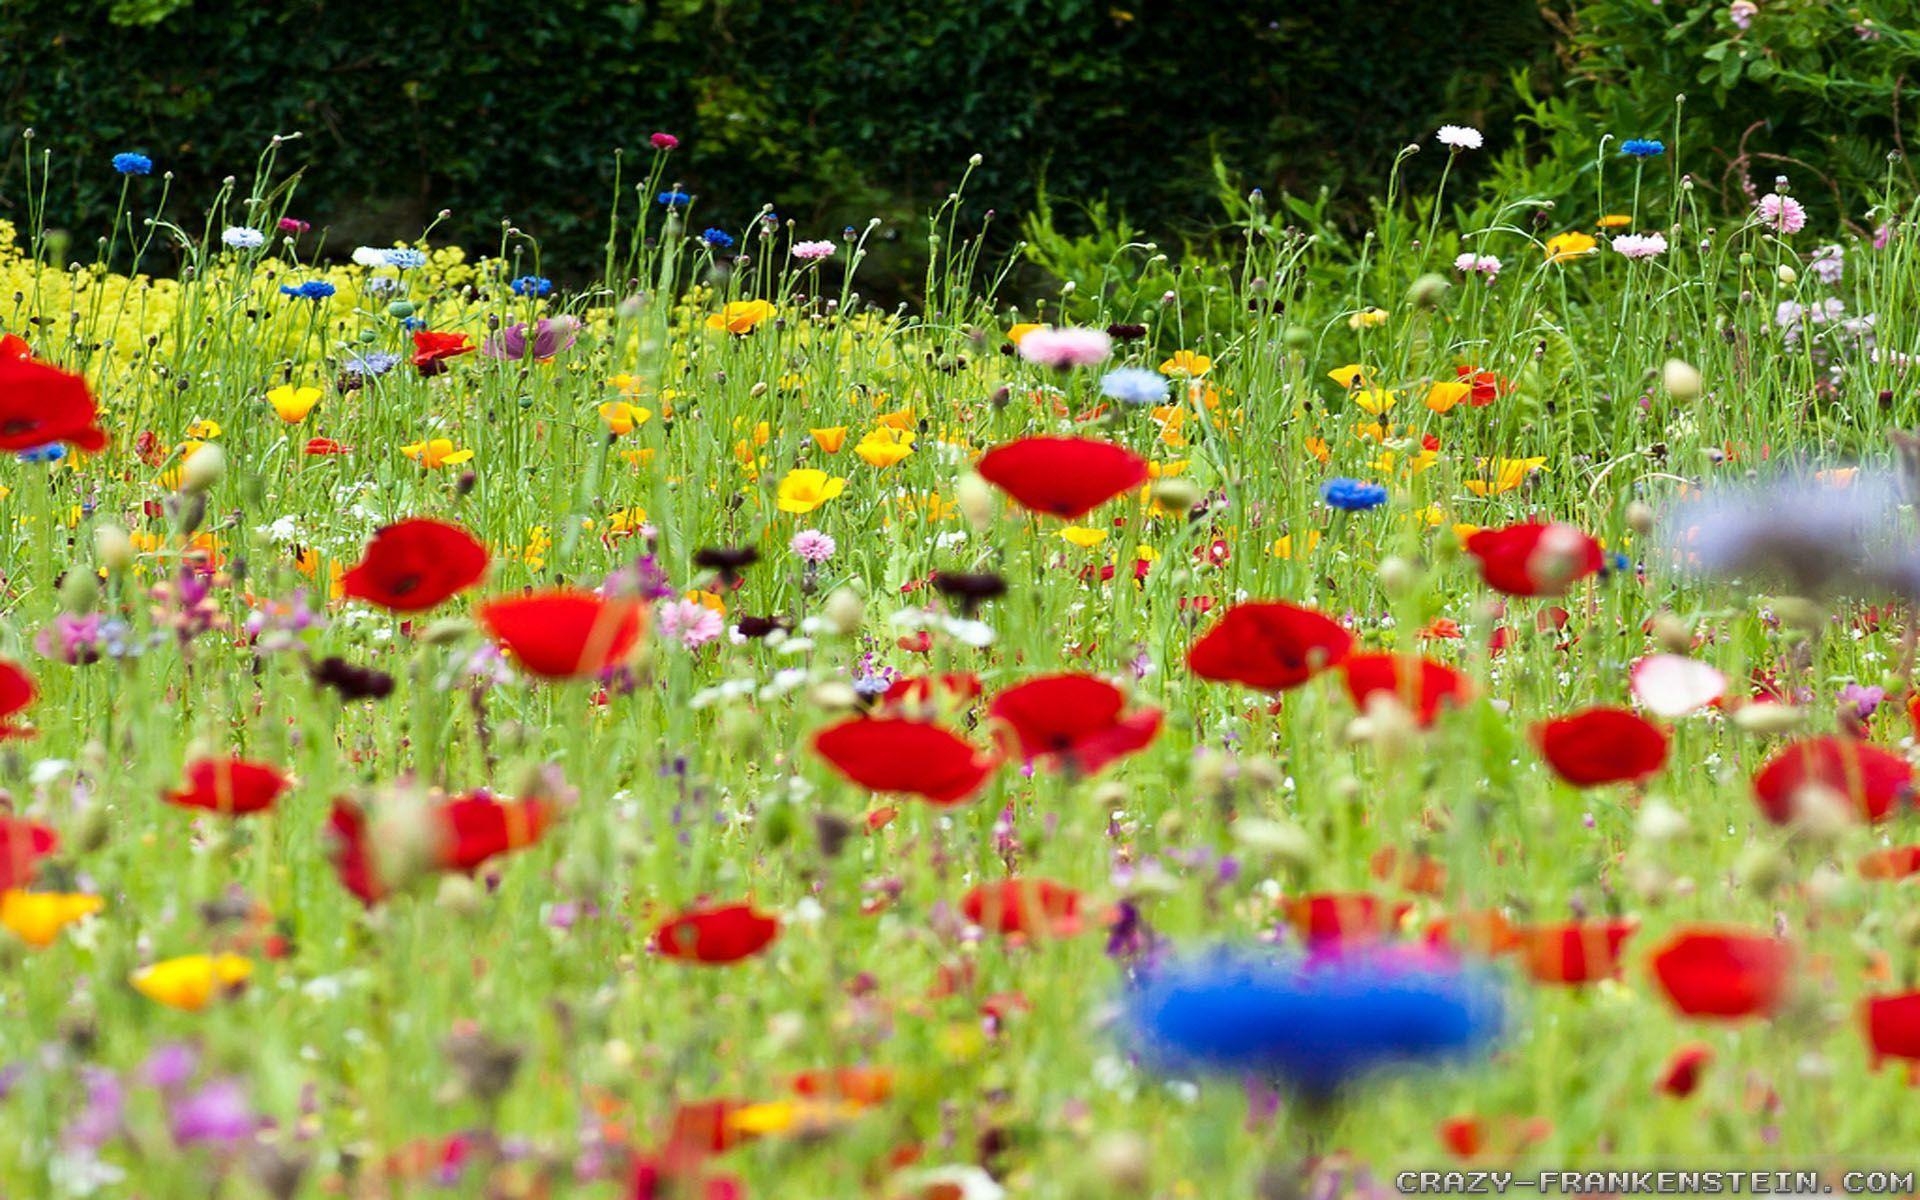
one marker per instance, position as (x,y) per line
(1064,348)
(689,621)
(1640,245)
(813,546)
(1742,12)
(664,141)
(813,251)
(293,225)
(1782,214)
(1483,264)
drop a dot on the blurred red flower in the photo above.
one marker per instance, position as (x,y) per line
(1270,645)
(1573,952)
(716,934)
(1865,779)
(233,787)
(415,564)
(1723,973)
(1421,684)
(1024,908)
(1534,558)
(893,754)
(1602,745)
(1073,722)
(22,845)
(565,633)
(40,405)
(1060,476)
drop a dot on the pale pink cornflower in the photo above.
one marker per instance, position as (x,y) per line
(1482,264)
(689,622)
(1640,245)
(1064,348)
(1742,12)
(813,546)
(1460,137)
(813,251)
(1782,214)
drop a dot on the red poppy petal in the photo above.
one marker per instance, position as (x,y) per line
(1601,746)
(1064,477)
(416,564)
(1269,645)
(892,754)
(565,633)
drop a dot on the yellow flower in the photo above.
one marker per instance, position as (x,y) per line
(1375,400)
(37,918)
(805,489)
(830,439)
(626,520)
(293,403)
(1504,475)
(204,428)
(1443,396)
(710,600)
(740,316)
(538,543)
(1282,546)
(638,458)
(1615,221)
(1022,330)
(899,419)
(193,982)
(1462,531)
(883,447)
(1367,318)
(435,453)
(1084,536)
(1351,376)
(792,1116)
(623,417)
(1186,362)
(306,560)
(1562,247)
(1390,460)
(1319,448)
(629,386)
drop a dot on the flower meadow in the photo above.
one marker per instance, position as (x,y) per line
(1437,698)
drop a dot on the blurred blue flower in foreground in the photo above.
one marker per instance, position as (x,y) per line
(1319,1022)
(1836,531)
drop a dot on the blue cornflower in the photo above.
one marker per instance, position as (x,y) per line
(405,259)
(1134,385)
(1643,148)
(413,323)
(1315,1023)
(531,285)
(312,289)
(674,199)
(49,453)
(1353,495)
(719,239)
(374,362)
(133,164)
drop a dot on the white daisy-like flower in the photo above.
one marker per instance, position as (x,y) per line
(243,237)
(1640,245)
(1460,137)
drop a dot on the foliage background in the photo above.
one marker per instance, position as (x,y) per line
(837,111)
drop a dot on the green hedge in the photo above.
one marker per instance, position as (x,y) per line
(833,110)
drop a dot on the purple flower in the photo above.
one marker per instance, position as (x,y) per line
(1863,700)
(1782,214)
(98,1121)
(218,1113)
(813,546)
(170,1066)
(1064,348)
(550,336)
(73,639)
(813,251)
(664,141)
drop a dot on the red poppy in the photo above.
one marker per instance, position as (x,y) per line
(1867,780)
(1602,745)
(40,405)
(1417,873)
(13,346)
(1024,908)
(1893,1025)
(415,564)
(1421,684)
(1073,722)
(317,447)
(432,350)
(1534,558)
(16,693)
(1469,1137)
(912,695)
(22,845)
(1681,1076)
(565,633)
(1573,952)
(860,1085)
(351,855)
(1324,918)
(1486,931)
(232,786)
(677,1176)
(477,827)
(1723,973)
(715,934)
(1487,387)
(699,1128)
(1895,862)
(1270,645)
(1066,477)
(893,754)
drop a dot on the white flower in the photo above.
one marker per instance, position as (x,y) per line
(242,237)
(961,1182)
(1640,245)
(370,256)
(1460,137)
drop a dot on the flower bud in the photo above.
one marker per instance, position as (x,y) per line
(1177,494)
(1682,380)
(113,547)
(79,591)
(1768,718)
(1398,576)
(1428,290)
(203,468)
(1640,517)
(1787,275)
(844,611)
(976,500)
